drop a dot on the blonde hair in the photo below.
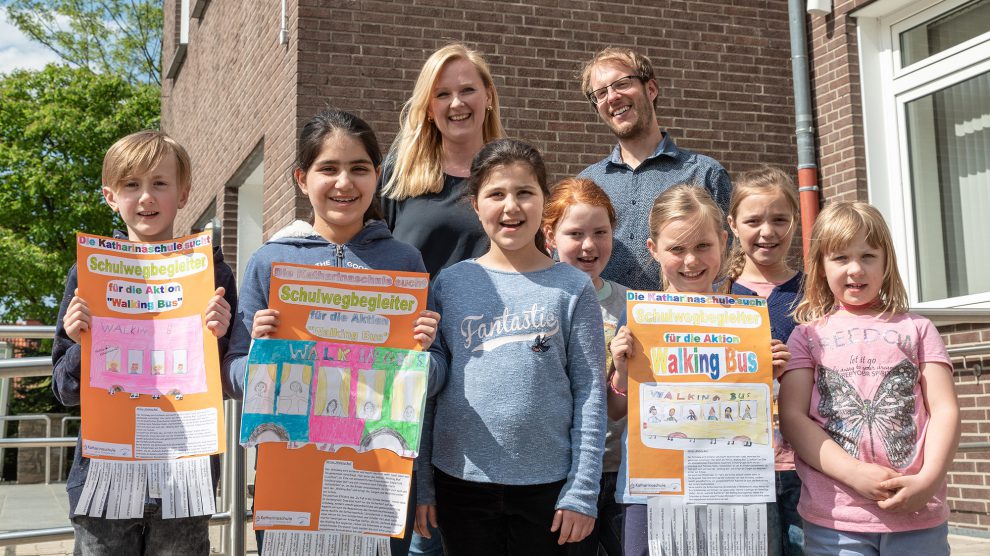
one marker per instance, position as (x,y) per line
(640,64)
(139,153)
(837,227)
(685,202)
(418,147)
(765,180)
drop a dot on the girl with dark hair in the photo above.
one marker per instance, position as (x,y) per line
(337,168)
(517,436)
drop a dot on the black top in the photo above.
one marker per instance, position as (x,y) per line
(443,226)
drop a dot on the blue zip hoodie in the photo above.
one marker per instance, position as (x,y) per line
(372,248)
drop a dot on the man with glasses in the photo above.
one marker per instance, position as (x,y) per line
(620,85)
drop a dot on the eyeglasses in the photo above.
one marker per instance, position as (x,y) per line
(619,86)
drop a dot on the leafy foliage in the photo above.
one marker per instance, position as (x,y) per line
(55,126)
(119,37)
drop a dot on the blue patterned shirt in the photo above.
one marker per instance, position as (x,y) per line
(633,191)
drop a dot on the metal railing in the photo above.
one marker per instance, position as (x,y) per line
(233,488)
(14,538)
(25,366)
(61,451)
(19,442)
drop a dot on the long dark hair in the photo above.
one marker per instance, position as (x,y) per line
(505,152)
(331,121)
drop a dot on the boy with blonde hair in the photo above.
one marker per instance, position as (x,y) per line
(146,179)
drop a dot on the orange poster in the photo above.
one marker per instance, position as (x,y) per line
(700,398)
(150,381)
(336,396)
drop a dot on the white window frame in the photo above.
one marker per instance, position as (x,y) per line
(886,88)
(179,55)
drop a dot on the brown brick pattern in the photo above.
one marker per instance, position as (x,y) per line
(835,79)
(722,67)
(236,89)
(969,476)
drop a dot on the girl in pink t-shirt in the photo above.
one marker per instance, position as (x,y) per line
(866,382)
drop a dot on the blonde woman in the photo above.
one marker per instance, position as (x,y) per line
(452,113)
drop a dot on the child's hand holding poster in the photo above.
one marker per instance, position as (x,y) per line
(150,382)
(341,375)
(700,426)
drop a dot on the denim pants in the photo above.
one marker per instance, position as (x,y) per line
(150,535)
(822,541)
(784,528)
(635,525)
(422,546)
(488,519)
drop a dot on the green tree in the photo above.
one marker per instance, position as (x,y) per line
(119,37)
(55,126)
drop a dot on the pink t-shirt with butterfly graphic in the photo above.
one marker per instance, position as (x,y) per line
(867,396)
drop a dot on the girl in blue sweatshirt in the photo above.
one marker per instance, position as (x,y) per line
(337,168)
(518,432)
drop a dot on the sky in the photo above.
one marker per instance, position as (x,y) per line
(17,51)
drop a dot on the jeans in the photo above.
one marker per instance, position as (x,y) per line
(422,546)
(822,541)
(96,536)
(635,524)
(784,528)
(488,519)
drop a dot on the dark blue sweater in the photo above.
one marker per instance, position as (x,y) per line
(781,303)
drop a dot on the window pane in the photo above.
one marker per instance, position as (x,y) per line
(936,35)
(949,152)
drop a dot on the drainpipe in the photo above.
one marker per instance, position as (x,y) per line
(807,167)
(283,32)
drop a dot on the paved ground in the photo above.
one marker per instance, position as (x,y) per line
(43,506)
(33,507)
(24,507)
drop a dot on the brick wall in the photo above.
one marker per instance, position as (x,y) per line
(834,62)
(969,476)
(236,90)
(722,68)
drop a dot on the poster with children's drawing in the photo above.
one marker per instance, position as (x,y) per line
(700,399)
(354,395)
(340,369)
(336,395)
(125,358)
(150,380)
